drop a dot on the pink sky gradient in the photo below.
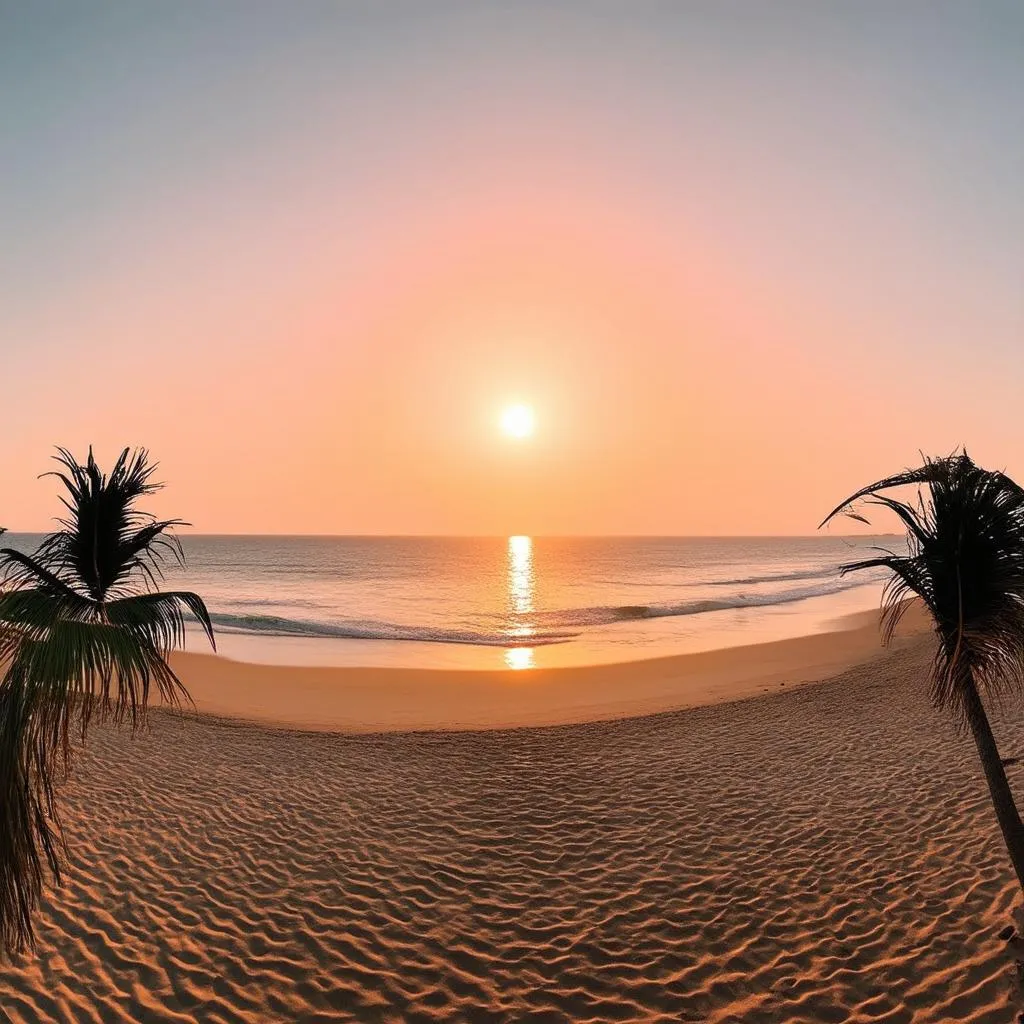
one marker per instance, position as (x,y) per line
(738,267)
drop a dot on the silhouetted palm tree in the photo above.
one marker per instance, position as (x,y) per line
(83,630)
(965,562)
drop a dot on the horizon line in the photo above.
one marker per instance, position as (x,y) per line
(534,536)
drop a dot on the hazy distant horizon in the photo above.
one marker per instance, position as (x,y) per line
(184,533)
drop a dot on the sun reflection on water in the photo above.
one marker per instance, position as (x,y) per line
(521,581)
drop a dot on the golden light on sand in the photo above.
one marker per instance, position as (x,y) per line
(517,421)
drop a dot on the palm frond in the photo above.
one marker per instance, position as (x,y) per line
(56,681)
(921,475)
(160,616)
(53,687)
(21,570)
(80,667)
(31,612)
(31,839)
(83,631)
(106,542)
(965,561)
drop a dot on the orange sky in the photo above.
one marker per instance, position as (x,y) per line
(307,261)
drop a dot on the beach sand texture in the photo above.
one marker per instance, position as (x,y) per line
(820,854)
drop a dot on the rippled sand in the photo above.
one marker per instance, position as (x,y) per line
(826,854)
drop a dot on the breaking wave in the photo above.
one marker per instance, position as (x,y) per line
(536,629)
(274,625)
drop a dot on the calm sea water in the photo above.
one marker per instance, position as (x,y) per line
(515,602)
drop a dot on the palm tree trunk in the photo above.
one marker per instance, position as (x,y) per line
(998,786)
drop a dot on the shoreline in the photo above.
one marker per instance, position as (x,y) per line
(380,700)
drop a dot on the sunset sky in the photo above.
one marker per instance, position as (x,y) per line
(739,258)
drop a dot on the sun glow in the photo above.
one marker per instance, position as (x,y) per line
(517,421)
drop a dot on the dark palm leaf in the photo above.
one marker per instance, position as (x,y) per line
(82,631)
(22,572)
(74,668)
(161,615)
(30,838)
(106,543)
(965,562)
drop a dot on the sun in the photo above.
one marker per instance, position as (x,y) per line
(517,421)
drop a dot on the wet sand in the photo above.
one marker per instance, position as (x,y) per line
(386,699)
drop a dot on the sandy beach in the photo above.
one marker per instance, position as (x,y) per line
(383,699)
(821,853)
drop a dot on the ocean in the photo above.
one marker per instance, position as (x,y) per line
(512,602)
